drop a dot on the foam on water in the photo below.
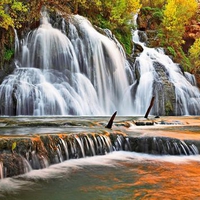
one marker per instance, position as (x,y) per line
(113,160)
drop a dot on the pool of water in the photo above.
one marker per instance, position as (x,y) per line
(117,175)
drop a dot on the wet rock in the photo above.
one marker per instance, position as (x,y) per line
(144,123)
(164,92)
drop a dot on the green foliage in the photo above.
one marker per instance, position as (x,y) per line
(125,38)
(158,13)
(8,53)
(185,61)
(176,15)
(153,3)
(155,13)
(171,51)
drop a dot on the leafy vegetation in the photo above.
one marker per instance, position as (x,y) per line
(194,55)
(153,3)
(170,15)
(8,53)
(11,13)
(176,14)
(171,18)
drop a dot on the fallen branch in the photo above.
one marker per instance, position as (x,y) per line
(149,108)
(110,123)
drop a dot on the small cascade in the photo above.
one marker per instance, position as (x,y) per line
(17,43)
(42,151)
(163,146)
(90,145)
(81,146)
(39,152)
(25,165)
(65,147)
(190,78)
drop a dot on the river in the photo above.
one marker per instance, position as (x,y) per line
(116,175)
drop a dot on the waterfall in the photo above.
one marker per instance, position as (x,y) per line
(159,76)
(81,73)
(40,152)
(75,70)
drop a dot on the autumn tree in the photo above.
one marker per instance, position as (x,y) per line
(194,55)
(11,13)
(176,15)
(153,3)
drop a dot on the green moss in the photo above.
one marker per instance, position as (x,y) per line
(168,108)
(8,54)
(125,39)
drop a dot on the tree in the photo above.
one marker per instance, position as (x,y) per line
(153,3)
(194,55)
(11,13)
(176,15)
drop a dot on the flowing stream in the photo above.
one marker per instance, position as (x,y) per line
(88,162)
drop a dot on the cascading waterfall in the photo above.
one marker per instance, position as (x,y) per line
(75,70)
(159,76)
(79,74)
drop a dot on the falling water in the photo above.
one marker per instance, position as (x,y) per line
(79,74)
(1,170)
(51,149)
(159,76)
(75,70)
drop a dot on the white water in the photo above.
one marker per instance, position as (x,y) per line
(55,75)
(187,95)
(87,73)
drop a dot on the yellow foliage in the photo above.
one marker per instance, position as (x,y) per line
(194,54)
(122,10)
(14,144)
(153,3)
(11,13)
(132,6)
(176,15)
